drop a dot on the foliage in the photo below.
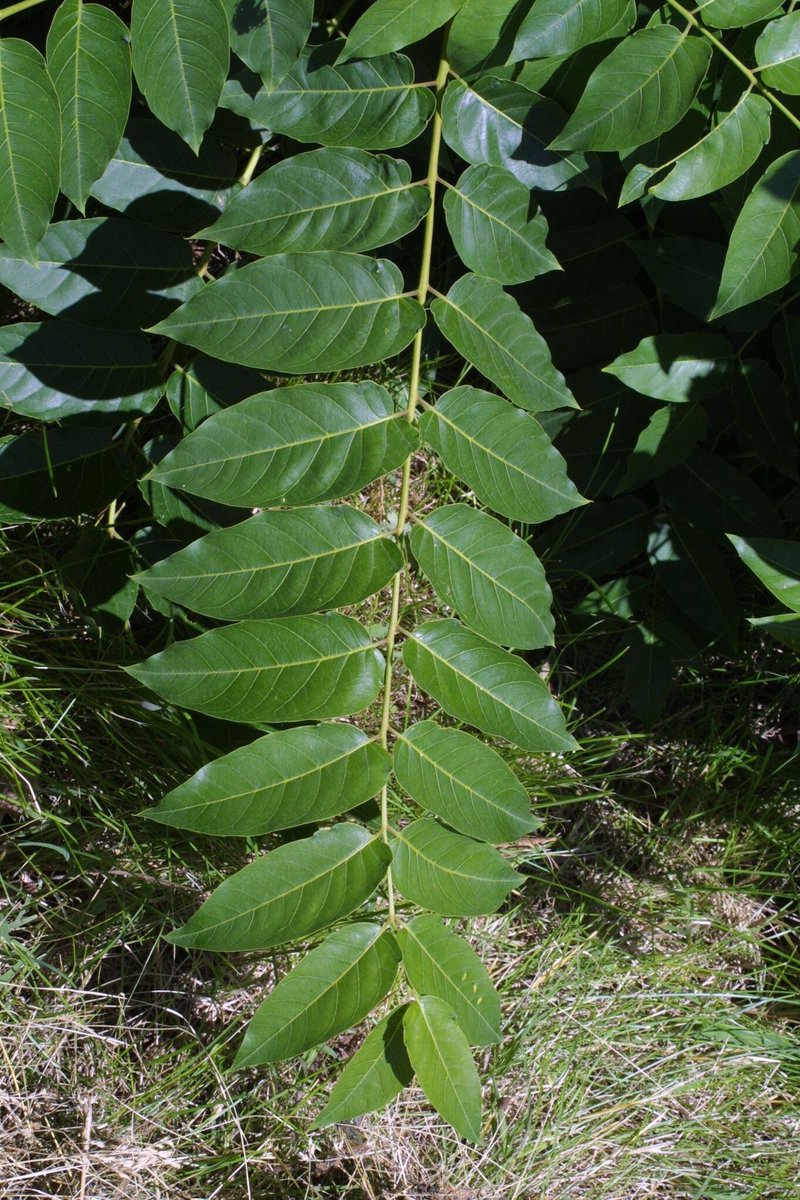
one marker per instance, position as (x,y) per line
(527,97)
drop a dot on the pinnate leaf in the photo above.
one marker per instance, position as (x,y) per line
(730,14)
(449,873)
(287,669)
(331,989)
(389,25)
(778,54)
(489,688)
(676,367)
(289,893)
(463,781)
(280,781)
(268,35)
(557,27)
(47,473)
(776,562)
(440,1056)
(377,1072)
(301,313)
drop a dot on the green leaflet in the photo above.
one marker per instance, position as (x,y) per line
(90,65)
(451,874)
(489,328)
(440,1056)
(501,453)
(56,472)
(725,153)
(489,688)
(155,178)
(690,569)
(761,255)
(331,989)
(288,778)
(30,146)
(289,893)
(389,25)
(278,564)
(51,370)
(301,313)
(295,445)
(776,563)
(205,386)
(555,27)
(666,441)
(765,415)
(268,35)
(503,124)
(718,498)
(785,627)
(487,574)
(183,517)
(328,199)
(286,669)
(677,367)
(639,91)
(97,571)
(104,271)
(481,34)
(373,104)
(440,963)
(487,215)
(463,781)
(377,1072)
(600,538)
(180,60)
(730,14)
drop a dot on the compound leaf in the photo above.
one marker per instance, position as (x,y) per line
(331,989)
(280,781)
(489,688)
(289,893)
(281,670)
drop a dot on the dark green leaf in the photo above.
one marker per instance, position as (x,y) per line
(440,963)
(648,672)
(765,416)
(785,627)
(487,574)
(329,199)
(377,1072)
(677,367)
(489,688)
(60,473)
(713,495)
(97,571)
(205,386)
(776,563)
(334,987)
(482,33)
(104,271)
(554,27)
(180,59)
(762,255)
(155,178)
(487,214)
(778,54)
(295,445)
(290,892)
(268,35)
(280,781)
(301,313)
(30,146)
(502,453)
(639,91)
(449,873)
(730,14)
(57,369)
(440,1056)
(690,570)
(281,563)
(389,25)
(463,781)
(290,669)
(600,538)
(666,441)
(503,124)
(184,517)
(90,65)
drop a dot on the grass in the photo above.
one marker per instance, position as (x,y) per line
(648,968)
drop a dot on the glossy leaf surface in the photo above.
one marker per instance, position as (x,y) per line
(288,778)
(289,893)
(776,562)
(30,146)
(555,27)
(268,35)
(677,367)
(449,873)
(440,1056)
(389,25)
(778,54)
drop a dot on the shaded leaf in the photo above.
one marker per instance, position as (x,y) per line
(666,441)
(482,34)
(49,473)
(328,199)
(295,445)
(449,873)
(268,35)
(440,1056)
(715,496)
(184,517)
(206,385)
(287,669)
(280,781)
(377,1072)
(765,416)
(97,572)
(487,574)
(301,313)
(501,453)
(489,688)
(389,25)
(463,781)
(776,563)
(440,963)
(785,627)
(280,563)
(289,893)
(555,27)
(689,568)
(676,367)
(331,989)
(648,672)
(600,538)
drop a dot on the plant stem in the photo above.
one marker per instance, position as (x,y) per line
(405,485)
(20,6)
(251,164)
(731,57)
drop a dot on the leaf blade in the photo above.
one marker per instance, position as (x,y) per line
(440,1056)
(449,873)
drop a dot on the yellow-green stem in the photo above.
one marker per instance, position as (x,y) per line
(19,7)
(405,485)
